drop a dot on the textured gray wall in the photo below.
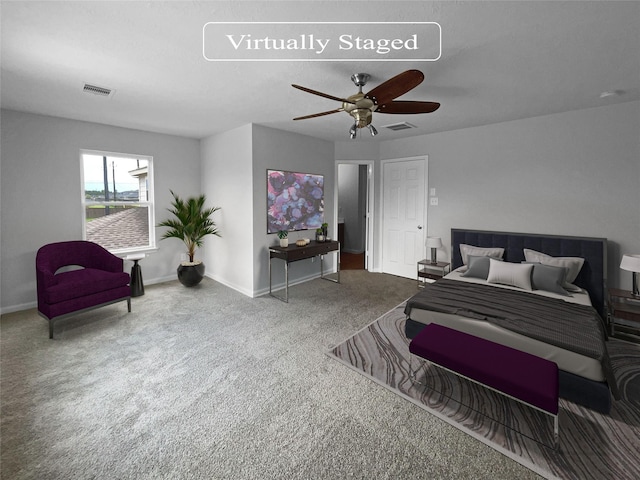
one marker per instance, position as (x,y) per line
(41,166)
(573,173)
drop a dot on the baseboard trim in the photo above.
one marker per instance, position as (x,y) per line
(231,285)
(27,306)
(18,308)
(170,278)
(281,285)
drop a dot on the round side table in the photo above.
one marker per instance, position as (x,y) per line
(137,286)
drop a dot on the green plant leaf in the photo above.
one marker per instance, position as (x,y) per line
(192,222)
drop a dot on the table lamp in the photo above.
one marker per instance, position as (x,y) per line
(434,243)
(631,263)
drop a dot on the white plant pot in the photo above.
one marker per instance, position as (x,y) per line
(284,242)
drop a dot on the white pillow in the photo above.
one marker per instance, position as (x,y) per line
(514,274)
(466,250)
(572,265)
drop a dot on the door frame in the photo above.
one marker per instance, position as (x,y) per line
(381,225)
(370,207)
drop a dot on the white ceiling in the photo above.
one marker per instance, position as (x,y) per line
(500,61)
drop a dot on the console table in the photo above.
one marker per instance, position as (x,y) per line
(293,253)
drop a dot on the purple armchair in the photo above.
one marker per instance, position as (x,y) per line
(100,281)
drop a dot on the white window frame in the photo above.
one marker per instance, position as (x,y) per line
(150,203)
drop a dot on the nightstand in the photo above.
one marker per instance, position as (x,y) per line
(622,305)
(431,271)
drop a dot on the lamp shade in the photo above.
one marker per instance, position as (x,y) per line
(434,242)
(630,262)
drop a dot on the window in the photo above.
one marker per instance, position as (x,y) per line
(117,198)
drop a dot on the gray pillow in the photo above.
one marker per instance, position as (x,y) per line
(549,278)
(478,267)
(466,250)
(572,264)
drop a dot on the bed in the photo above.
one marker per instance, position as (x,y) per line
(566,327)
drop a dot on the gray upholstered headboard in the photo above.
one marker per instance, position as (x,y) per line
(592,276)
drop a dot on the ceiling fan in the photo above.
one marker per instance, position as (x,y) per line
(381,99)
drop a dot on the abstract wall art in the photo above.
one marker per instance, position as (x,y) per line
(295,201)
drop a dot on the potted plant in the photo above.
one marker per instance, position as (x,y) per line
(191,223)
(325,229)
(319,235)
(283,236)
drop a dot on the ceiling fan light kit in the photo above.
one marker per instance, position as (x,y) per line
(381,99)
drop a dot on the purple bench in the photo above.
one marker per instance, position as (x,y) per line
(524,377)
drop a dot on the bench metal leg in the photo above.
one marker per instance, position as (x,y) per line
(423,363)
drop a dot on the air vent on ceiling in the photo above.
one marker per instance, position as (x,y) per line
(101,91)
(399,126)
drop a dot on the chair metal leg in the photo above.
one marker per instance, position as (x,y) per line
(50,320)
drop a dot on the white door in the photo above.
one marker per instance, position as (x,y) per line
(403,216)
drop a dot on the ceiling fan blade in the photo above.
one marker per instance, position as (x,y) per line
(325,95)
(319,114)
(408,106)
(396,86)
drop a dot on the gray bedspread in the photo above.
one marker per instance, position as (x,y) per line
(573,327)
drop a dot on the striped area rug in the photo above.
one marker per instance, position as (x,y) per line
(592,445)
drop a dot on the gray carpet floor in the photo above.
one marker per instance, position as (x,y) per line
(206,383)
(592,446)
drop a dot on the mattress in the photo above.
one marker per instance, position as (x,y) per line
(566,360)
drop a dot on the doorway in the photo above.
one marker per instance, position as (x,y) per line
(354,215)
